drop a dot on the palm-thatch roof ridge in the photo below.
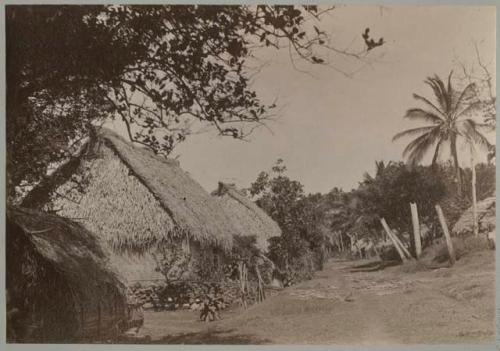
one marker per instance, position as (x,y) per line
(191,208)
(485,214)
(73,250)
(246,216)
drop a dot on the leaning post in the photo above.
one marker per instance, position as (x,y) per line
(416,229)
(389,234)
(444,226)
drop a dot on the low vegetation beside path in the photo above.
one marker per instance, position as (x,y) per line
(346,304)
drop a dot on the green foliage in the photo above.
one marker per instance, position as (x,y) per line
(389,193)
(159,68)
(245,249)
(485,181)
(172,261)
(454,205)
(300,247)
(449,118)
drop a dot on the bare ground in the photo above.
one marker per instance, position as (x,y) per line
(357,306)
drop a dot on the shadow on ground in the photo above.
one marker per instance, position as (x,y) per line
(221,337)
(373,266)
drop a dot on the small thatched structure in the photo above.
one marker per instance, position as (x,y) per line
(139,202)
(246,216)
(485,214)
(59,286)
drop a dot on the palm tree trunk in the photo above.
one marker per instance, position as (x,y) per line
(436,154)
(474,200)
(457,166)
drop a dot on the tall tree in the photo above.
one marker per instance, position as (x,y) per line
(449,118)
(479,73)
(299,249)
(158,68)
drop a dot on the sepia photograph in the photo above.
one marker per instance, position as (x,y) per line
(250,174)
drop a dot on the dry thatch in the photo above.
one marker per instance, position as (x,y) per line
(184,207)
(246,216)
(486,218)
(191,208)
(59,281)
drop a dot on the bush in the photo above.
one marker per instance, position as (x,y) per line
(438,253)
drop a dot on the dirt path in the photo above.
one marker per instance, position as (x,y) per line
(339,306)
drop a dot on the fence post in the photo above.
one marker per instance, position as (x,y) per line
(416,229)
(444,226)
(389,234)
(82,318)
(403,248)
(474,200)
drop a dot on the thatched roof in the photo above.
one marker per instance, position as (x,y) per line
(189,205)
(246,216)
(486,217)
(193,211)
(73,251)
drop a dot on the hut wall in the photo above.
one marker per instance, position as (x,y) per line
(207,262)
(52,308)
(100,318)
(116,206)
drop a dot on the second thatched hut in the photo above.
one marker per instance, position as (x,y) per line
(485,215)
(246,216)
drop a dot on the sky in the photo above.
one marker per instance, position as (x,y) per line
(330,129)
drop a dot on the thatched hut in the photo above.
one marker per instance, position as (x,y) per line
(59,286)
(252,223)
(151,215)
(246,216)
(485,215)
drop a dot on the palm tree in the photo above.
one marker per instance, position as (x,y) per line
(449,120)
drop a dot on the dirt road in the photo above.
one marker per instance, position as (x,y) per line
(342,305)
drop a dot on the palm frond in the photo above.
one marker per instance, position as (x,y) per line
(463,95)
(413,131)
(439,89)
(470,132)
(467,109)
(411,145)
(367,178)
(425,100)
(450,92)
(418,113)
(416,149)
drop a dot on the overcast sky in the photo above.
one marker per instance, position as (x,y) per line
(331,128)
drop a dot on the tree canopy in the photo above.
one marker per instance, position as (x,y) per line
(158,68)
(449,119)
(298,251)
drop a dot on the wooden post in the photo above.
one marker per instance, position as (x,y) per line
(82,318)
(444,226)
(99,320)
(388,231)
(403,248)
(416,229)
(474,200)
(243,285)
(261,294)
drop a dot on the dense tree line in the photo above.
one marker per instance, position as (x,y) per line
(310,221)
